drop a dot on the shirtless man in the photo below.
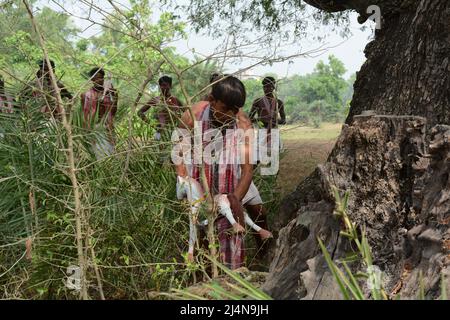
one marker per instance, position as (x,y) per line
(168,107)
(267,107)
(6,101)
(100,101)
(44,89)
(99,107)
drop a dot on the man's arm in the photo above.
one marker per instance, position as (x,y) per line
(64,92)
(282,113)
(83,115)
(115,102)
(82,98)
(145,108)
(253,111)
(246,167)
(178,109)
(245,179)
(186,122)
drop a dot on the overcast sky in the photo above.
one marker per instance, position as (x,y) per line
(350,50)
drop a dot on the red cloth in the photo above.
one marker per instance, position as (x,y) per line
(95,101)
(231,245)
(222,179)
(6,104)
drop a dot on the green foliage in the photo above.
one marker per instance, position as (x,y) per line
(271,18)
(133,221)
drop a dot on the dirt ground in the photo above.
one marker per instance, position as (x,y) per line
(305,148)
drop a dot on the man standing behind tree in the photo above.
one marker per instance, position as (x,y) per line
(99,106)
(6,105)
(168,107)
(6,101)
(44,89)
(268,107)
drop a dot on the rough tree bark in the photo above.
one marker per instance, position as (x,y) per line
(396,166)
(407,71)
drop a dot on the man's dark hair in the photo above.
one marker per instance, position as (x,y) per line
(165,79)
(214,77)
(268,80)
(95,71)
(43,62)
(230,90)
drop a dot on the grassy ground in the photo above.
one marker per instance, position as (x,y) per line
(305,148)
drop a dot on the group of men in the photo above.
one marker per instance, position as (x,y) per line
(230,185)
(98,103)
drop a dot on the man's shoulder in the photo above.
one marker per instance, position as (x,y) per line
(88,93)
(197,110)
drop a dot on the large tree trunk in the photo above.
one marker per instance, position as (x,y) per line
(407,71)
(398,179)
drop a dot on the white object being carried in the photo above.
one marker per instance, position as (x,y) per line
(189,188)
(102,146)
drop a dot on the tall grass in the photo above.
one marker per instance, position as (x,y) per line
(136,232)
(134,226)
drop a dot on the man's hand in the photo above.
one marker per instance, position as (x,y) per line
(237,228)
(144,118)
(265,234)
(238,213)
